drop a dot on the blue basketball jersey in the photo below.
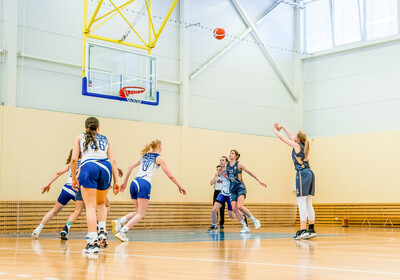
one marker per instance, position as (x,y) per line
(234,173)
(298,159)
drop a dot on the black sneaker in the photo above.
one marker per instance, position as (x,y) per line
(310,233)
(103,240)
(91,248)
(221,227)
(64,233)
(212,229)
(299,234)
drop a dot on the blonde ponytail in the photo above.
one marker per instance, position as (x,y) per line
(303,140)
(150,146)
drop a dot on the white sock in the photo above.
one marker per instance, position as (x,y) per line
(243,222)
(91,237)
(122,220)
(124,229)
(102,225)
(39,228)
(253,219)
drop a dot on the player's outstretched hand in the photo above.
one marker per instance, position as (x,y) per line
(46,189)
(75,185)
(182,191)
(123,187)
(116,189)
(263,184)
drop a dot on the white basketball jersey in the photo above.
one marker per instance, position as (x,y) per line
(147,167)
(226,183)
(69,181)
(91,153)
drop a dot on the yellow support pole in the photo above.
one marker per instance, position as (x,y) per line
(150,12)
(94,15)
(118,42)
(100,24)
(129,24)
(151,27)
(84,37)
(120,7)
(152,44)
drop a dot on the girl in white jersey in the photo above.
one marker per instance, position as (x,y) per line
(97,169)
(67,194)
(141,187)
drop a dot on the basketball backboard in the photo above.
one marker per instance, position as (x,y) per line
(108,70)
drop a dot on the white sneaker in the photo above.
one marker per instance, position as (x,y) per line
(91,248)
(35,234)
(121,236)
(116,226)
(245,229)
(257,224)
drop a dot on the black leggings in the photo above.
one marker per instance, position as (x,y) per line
(221,210)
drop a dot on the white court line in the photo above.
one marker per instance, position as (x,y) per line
(244,262)
(24,275)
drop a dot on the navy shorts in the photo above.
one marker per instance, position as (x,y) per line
(140,188)
(224,198)
(67,194)
(95,174)
(305,182)
(236,191)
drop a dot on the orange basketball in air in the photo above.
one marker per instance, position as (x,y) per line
(219,33)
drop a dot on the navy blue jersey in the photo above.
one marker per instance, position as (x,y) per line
(234,173)
(298,159)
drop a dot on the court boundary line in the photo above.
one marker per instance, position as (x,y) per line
(228,261)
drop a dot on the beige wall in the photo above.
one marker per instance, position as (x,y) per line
(35,145)
(359,168)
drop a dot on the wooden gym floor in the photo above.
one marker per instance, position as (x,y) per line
(269,253)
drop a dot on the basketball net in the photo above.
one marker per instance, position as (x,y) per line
(134,95)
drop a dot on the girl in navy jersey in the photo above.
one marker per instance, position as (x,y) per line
(97,169)
(67,194)
(238,191)
(148,163)
(305,179)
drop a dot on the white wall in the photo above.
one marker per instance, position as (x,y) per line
(240,92)
(241,83)
(353,92)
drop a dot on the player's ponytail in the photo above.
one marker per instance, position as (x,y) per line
(91,125)
(70,156)
(237,154)
(303,140)
(150,146)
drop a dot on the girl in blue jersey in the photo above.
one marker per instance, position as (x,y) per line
(97,169)
(305,179)
(67,194)
(238,191)
(148,163)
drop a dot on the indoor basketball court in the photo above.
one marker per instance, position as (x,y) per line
(199,139)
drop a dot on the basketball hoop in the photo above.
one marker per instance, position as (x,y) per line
(134,95)
(126,91)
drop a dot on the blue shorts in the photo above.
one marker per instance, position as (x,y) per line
(224,198)
(305,182)
(67,193)
(140,188)
(95,174)
(237,190)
